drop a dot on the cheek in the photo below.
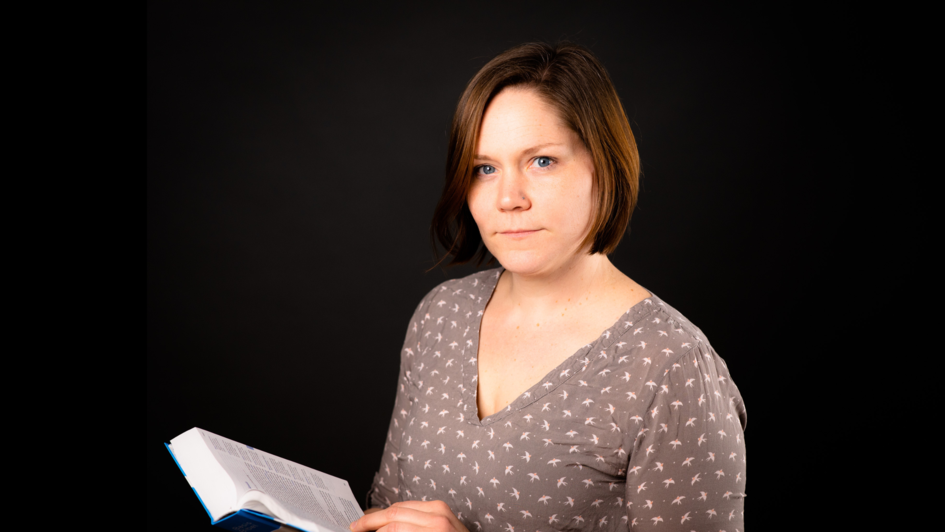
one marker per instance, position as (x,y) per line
(581,214)
(573,206)
(474,203)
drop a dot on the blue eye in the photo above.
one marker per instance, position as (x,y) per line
(486,169)
(543,162)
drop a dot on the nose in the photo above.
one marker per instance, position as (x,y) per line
(512,193)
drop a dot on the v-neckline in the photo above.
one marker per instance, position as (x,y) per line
(563,372)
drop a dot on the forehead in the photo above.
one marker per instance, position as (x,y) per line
(517,119)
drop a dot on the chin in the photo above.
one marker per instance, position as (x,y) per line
(526,262)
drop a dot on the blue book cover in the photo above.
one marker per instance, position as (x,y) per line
(246,521)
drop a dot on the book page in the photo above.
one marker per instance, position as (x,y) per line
(209,479)
(315,498)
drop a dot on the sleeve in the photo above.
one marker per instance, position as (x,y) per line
(384,490)
(687,468)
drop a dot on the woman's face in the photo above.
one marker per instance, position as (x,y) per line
(533,186)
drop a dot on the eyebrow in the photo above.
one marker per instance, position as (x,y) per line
(529,151)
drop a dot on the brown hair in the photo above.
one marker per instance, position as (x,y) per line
(571,79)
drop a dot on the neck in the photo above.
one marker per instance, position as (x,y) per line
(580,282)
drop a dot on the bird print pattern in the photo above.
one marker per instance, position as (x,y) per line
(642,429)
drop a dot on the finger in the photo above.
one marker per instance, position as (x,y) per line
(395,513)
(398,526)
(433,507)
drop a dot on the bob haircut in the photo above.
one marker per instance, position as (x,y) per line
(574,82)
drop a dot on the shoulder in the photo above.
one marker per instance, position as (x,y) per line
(680,324)
(448,311)
(463,290)
(684,354)
(463,296)
(655,339)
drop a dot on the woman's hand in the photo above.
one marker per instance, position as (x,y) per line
(411,516)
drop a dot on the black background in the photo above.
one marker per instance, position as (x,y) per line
(295,156)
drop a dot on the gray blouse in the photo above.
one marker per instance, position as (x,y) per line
(641,429)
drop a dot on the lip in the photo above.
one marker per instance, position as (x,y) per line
(519,233)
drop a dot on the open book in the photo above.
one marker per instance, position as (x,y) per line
(245,489)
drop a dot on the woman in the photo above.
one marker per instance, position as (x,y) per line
(552,392)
